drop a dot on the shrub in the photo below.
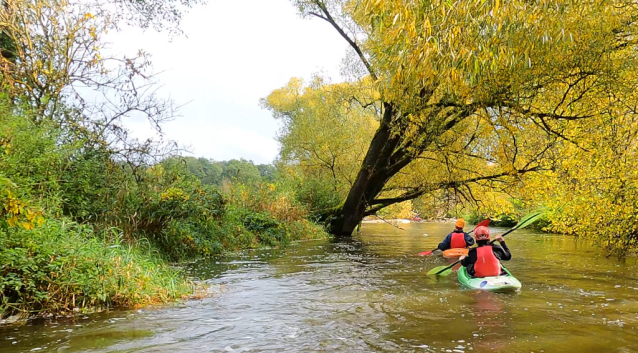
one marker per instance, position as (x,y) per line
(62,267)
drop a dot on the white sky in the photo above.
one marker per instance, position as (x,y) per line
(235,53)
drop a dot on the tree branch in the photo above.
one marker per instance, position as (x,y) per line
(328,18)
(379,204)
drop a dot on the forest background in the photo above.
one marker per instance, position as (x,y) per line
(469,109)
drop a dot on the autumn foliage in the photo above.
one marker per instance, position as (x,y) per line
(513,104)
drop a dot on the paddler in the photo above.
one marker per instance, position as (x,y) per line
(485,259)
(458,239)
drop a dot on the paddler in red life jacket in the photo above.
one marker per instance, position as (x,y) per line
(485,259)
(458,238)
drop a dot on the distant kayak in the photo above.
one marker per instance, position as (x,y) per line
(497,283)
(455,253)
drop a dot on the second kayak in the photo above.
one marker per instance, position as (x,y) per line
(455,253)
(497,283)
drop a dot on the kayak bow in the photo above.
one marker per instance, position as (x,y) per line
(455,253)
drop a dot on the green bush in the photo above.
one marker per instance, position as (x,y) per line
(473,218)
(62,267)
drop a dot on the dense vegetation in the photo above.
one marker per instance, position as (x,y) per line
(90,218)
(500,105)
(81,229)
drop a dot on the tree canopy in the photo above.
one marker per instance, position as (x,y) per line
(470,94)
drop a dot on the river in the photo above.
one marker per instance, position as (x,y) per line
(371,294)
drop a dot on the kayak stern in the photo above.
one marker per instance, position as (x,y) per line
(495,284)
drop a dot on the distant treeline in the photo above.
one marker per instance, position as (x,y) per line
(211,172)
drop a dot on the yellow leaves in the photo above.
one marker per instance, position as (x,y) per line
(5,144)
(174,194)
(18,213)
(472,40)
(326,129)
(27,225)
(494,55)
(592,192)
(51,35)
(156,171)
(402,210)
(12,221)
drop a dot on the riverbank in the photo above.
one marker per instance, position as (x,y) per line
(81,232)
(64,269)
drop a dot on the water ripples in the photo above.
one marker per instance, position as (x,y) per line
(370,294)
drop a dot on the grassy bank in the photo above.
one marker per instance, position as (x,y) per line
(62,268)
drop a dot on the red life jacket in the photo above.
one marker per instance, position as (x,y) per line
(487,264)
(458,240)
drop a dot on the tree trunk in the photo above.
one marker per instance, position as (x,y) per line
(370,180)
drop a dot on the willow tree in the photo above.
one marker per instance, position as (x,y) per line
(597,181)
(474,91)
(324,137)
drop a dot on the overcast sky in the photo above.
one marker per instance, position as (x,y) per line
(236,52)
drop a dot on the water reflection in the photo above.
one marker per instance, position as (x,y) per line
(490,318)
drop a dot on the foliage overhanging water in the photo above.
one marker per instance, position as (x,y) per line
(371,294)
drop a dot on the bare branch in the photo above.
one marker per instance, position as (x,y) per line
(328,18)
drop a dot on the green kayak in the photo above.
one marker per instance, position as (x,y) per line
(497,283)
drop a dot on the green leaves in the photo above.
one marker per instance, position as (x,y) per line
(60,267)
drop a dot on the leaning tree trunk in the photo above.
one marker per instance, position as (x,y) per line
(374,173)
(387,154)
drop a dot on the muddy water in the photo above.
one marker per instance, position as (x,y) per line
(370,294)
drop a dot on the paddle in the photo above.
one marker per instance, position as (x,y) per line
(484,223)
(524,222)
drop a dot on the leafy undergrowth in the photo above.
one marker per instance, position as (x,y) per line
(256,216)
(63,268)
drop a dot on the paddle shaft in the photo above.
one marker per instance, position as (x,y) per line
(504,234)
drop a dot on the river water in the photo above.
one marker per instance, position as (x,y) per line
(371,294)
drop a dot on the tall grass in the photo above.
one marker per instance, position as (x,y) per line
(63,267)
(270,215)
